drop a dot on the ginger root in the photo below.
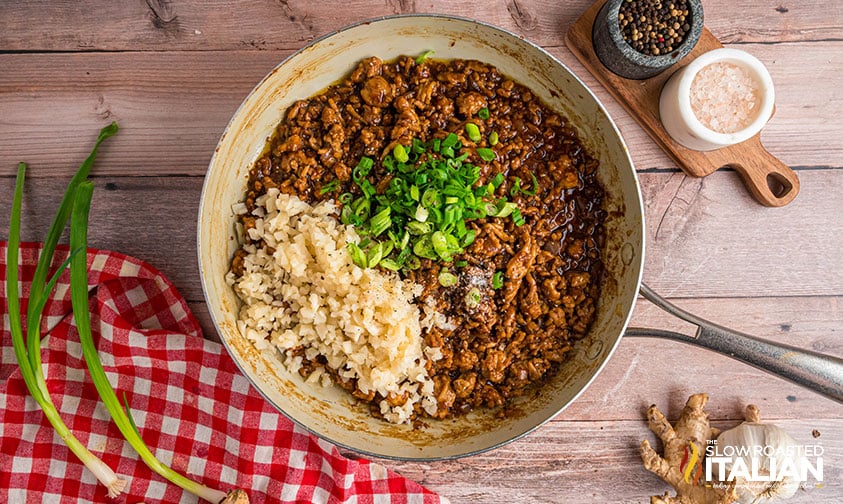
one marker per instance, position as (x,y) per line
(684,445)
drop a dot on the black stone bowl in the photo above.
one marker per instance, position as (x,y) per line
(622,59)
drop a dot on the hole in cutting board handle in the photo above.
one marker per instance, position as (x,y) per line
(778,185)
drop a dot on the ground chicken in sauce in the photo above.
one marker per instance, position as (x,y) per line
(513,337)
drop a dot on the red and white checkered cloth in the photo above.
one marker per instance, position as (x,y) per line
(192,406)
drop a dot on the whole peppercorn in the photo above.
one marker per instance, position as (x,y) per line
(654,27)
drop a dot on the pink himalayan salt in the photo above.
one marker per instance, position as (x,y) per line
(724,97)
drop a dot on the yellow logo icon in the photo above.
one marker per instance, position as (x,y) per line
(691,466)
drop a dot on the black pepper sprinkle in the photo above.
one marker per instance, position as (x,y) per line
(654,27)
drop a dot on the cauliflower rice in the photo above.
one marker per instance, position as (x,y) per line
(301,290)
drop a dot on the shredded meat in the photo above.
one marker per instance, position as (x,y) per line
(506,339)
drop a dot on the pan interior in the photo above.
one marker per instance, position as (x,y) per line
(330,412)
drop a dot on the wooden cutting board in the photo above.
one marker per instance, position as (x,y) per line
(770,181)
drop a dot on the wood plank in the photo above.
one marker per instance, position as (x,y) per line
(173,106)
(578,463)
(157,25)
(705,237)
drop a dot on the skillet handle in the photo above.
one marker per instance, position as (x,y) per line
(818,372)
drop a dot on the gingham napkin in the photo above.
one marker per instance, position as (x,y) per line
(192,406)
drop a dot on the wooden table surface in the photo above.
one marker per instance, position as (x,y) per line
(173,72)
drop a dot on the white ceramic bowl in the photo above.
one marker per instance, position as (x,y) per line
(683,125)
(330,412)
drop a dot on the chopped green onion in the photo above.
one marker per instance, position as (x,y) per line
(516,187)
(380,222)
(472,298)
(424,248)
(400,153)
(447,279)
(364,166)
(497,280)
(505,209)
(439,241)
(423,56)
(413,262)
(450,141)
(418,146)
(493,138)
(483,113)
(461,264)
(419,228)
(486,154)
(357,255)
(386,248)
(367,188)
(469,237)
(535,186)
(390,264)
(374,255)
(433,190)
(330,187)
(430,197)
(473,132)
(517,218)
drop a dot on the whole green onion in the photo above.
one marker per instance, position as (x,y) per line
(34,379)
(76,205)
